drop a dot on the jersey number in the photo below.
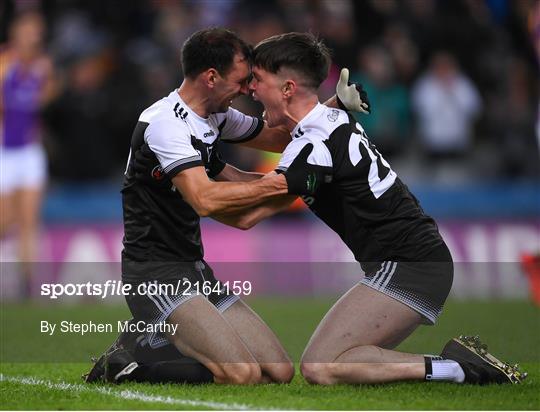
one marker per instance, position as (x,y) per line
(381,176)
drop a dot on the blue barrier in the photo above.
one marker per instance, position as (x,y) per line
(484,200)
(83,203)
(103,203)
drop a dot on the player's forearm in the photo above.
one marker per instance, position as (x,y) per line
(232,174)
(236,220)
(230,197)
(248,218)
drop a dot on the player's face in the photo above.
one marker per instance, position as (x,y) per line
(267,88)
(235,83)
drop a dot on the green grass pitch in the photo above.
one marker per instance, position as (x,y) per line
(39,372)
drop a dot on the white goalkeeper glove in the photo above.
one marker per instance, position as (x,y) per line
(351,96)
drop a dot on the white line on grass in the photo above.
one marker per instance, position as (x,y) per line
(124,394)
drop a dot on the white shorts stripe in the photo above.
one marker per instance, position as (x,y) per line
(394,266)
(152,298)
(380,272)
(167,304)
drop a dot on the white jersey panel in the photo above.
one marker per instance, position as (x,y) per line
(171,144)
(377,185)
(168,136)
(238,126)
(320,155)
(315,128)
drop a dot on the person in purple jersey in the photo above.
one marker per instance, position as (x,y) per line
(26,76)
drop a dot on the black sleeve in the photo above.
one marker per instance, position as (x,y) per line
(251,134)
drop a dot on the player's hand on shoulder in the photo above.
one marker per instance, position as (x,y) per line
(143,159)
(146,167)
(351,96)
(304,178)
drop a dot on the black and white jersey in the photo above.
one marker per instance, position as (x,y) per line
(366,204)
(158,224)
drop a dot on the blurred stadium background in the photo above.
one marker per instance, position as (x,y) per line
(471,155)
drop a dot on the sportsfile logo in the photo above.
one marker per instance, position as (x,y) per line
(182,287)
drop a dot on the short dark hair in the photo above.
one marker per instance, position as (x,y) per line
(212,48)
(301,52)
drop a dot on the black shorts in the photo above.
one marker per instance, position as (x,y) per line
(423,286)
(166,286)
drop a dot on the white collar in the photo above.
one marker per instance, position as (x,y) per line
(176,97)
(318,107)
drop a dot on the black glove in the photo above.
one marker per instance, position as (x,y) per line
(351,96)
(146,167)
(304,178)
(214,164)
(143,159)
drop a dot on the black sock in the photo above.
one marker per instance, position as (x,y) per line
(429,368)
(144,354)
(184,370)
(166,364)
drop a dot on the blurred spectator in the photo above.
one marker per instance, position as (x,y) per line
(118,57)
(511,115)
(214,13)
(74,36)
(174,22)
(299,15)
(257,27)
(534,28)
(446,104)
(337,27)
(27,80)
(83,121)
(89,125)
(153,69)
(388,125)
(397,40)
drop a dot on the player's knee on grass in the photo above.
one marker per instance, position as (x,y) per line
(282,372)
(327,369)
(318,373)
(238,374)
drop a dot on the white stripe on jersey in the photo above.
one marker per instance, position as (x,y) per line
(169,135)
(181,162)
(378,186)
